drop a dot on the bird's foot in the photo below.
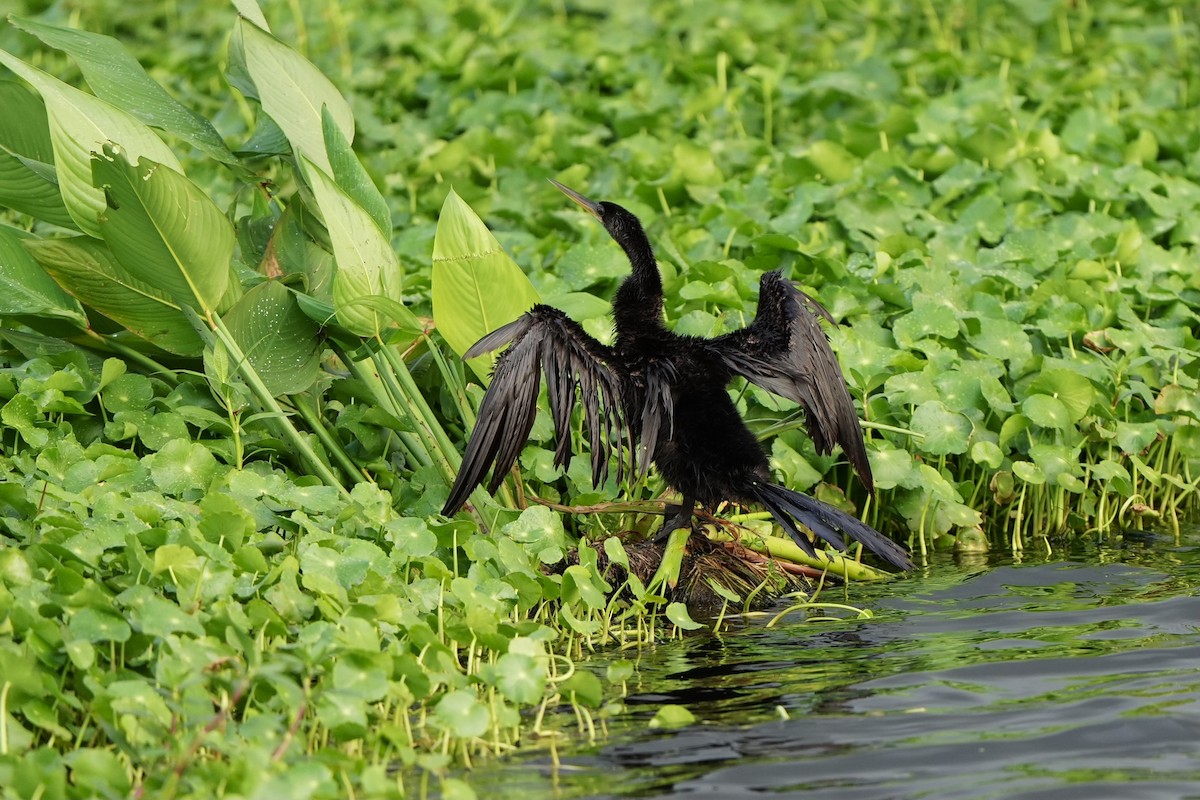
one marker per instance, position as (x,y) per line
(672,524)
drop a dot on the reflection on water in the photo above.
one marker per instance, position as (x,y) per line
(1062,679)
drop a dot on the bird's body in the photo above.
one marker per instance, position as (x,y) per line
(664,396)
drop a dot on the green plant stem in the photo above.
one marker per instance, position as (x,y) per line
(787,550)
(317,425)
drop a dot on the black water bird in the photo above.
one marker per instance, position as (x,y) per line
(663,396)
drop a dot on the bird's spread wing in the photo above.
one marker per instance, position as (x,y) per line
(543,340)
(785,351)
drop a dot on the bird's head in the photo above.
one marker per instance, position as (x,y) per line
(620,223)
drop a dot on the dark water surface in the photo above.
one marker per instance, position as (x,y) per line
(1076,676)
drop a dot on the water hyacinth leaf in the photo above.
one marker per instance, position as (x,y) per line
(182,466)
(165,231)
(1029,472)
(292,91)
(1003,340)
(584,688)
(987,453)
(1047,412)
(1074,390)
(98,625)
(116,77)
(944,431)
(892,467)
(27,181)
(677,613)
(25,288)
(461,714)
(366,264)
(929,317)
(81,125)
(672,716)
(520,678)
(87,269)
(1134,437)
(476,286)
(349,173)
(280,342)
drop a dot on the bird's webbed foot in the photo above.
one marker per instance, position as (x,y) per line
(678,516)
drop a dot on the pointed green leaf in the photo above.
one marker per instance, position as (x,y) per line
(350,176)
(89,271)
(165,231)
(81,125)
(476,286)
(26,289)
(279,340)
(292,91)
(366,263)
(27,180)
(116,77)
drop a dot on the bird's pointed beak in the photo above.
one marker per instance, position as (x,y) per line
(589,206)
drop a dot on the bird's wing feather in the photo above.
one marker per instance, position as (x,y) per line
(543,340)
(785,351)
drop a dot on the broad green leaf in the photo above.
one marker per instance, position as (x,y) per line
(1047,411)
(277,338)
(181,466)
(27,180)
(81,125)
(929,317)
(584,688)
(116,77)
(88,270)
(1074,390)
(462,714)
(366,264)
(944,431)
(165,231)
(678,614)
(292,91)
(250,10)
(520,678)
(26,289)
(672,716)
(350,176)
(476,286)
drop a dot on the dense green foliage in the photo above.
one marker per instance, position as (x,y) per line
(221,570)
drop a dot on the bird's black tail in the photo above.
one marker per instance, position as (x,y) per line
(827,522)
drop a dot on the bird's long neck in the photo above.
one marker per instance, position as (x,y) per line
(638,305)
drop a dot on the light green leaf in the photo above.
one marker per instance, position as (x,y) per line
(89,271)
(27,180)
(520,678)
(366,263)
(944,431)
(116,77)
(1047,411)
(292,91)
(678,614)
(462,714)
(476,286)
(278,339)
(81,125)
(165,231)
(350,176)
(672,716)
(26,289)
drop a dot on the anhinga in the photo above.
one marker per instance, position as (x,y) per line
(663,395)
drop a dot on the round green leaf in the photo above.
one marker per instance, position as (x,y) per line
(944,431)
(1047,411)
(461,713)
